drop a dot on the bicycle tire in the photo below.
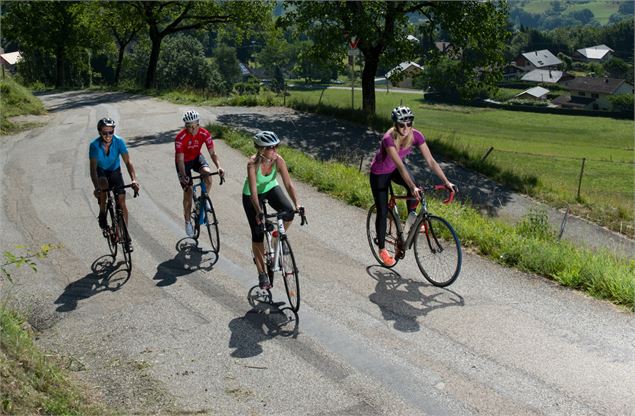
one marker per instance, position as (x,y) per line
(211,223)
(290,275)
(392,238)
(194,221)
(111,234)
(439,249)
(124,237)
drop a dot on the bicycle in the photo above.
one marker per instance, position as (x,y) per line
(436,245)
(116,232)
(203,211)
(278,258)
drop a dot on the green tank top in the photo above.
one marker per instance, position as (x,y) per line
(263,183)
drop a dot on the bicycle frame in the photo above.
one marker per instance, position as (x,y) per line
(201,184)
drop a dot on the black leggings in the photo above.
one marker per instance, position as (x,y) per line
(277,200)
(379,185)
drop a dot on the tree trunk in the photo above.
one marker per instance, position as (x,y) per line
(371,62)
(119,63)
(154,60)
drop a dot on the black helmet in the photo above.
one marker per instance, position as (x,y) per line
(105,122)
(401,114)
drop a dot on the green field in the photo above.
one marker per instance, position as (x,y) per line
(602,9)
(546,146)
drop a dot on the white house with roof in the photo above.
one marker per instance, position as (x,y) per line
(546,76)
(10,59)
(402,74)
(535,93)
(542,59)
(597,53)
(593,93)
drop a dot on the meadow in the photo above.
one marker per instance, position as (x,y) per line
(544,150)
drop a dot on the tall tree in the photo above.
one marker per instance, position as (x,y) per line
(164,18)
(382,27)
(51,27)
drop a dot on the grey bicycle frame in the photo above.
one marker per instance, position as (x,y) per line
(407,242)
(278,249)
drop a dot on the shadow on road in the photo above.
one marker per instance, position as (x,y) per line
(105,276)
(404,300)
(77,99)
(189,258)
(162,138)
(262,323)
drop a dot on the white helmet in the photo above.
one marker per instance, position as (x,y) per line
(190,116)
(402,113)
(266,138)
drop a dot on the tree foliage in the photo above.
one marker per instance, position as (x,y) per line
(477,28)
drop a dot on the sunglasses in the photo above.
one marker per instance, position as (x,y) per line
(271,147)
(107,133)
(406,124)
(189,126)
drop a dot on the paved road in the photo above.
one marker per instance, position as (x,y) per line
(179,335)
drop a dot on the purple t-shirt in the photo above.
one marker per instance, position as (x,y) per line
(382,163)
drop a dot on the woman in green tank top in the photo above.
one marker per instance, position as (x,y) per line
(261,183)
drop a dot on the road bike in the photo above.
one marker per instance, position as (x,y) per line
(203,213)
(437,247)
(278,257)
(116,232)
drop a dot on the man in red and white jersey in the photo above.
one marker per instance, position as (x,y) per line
(187,145)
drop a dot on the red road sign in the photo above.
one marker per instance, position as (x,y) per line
(353,42)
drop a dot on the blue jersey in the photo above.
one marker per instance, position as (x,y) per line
(108,161)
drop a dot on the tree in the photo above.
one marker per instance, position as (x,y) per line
(53,27)
(228,65)
(163,18)
(382,28)
(122,23)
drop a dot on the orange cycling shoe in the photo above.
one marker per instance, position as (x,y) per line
(386,258)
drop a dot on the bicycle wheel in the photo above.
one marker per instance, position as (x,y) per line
(438,251)
(111,234)
(124,240)
(212,226)
(290,275)
(392,239)
(194,221)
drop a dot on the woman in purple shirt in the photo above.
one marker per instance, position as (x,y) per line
(388,166)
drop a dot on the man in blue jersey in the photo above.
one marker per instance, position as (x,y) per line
(105,168)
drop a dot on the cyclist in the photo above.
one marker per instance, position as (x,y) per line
(105,168)
(188,157)
(387,166)
(261,183)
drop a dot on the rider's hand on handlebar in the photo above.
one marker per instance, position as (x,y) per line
(135,187)
(184,179)
(417,193)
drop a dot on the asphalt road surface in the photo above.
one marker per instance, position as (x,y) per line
(179,336)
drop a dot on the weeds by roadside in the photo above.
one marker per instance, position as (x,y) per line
(530,246)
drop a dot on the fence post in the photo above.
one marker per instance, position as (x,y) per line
(361,161)
(580,179)
(487,154)
(320,100)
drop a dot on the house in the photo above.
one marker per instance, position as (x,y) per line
(512,72)
(402,74)
(593,93)
(535,93)
(598,53)
(546,76)
(10,59)
(542,59)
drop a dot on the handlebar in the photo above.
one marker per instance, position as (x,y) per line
(205,175)
(113,188)
(451,192)
(277,215)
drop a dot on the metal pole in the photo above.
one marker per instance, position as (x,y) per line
(580,179)
(353,83)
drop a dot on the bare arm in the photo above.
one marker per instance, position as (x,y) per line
(434,166)
(216,160)
(286,180)
(93,173)
(251,178)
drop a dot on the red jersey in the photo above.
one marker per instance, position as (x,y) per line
(190,145)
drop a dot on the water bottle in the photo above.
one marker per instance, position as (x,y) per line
(412,217)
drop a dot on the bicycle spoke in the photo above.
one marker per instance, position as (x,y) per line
(438,251)
(392,241)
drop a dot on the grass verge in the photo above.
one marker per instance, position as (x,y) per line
(16,100)
(32,382)
(529,246)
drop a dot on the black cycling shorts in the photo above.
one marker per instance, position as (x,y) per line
(194,164)
(277,200)
(115,179)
